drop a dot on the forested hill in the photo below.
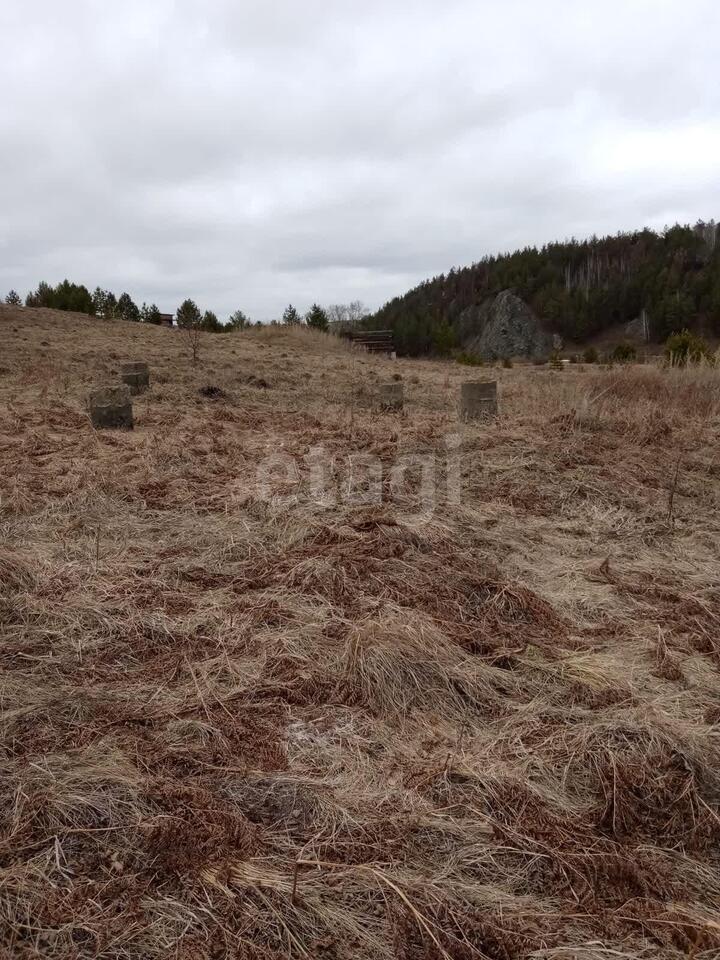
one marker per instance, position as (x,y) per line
(577,288)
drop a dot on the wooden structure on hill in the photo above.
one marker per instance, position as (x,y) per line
(374,341)
(166,320)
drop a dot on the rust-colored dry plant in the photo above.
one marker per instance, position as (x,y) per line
(251,727)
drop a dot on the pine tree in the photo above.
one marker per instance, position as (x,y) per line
(65,296)
(290,316)
(316,317)
(210,322)
(13,299)
(72,296)
(127,309)
(98,302)
(188,315)
(443,338)
(42,297)
(110,305)
(150,314)
(238,321)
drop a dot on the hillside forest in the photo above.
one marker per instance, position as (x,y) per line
(577,288)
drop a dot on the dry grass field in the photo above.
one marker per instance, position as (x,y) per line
(240,726)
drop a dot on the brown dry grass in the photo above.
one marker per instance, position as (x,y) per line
(234,728)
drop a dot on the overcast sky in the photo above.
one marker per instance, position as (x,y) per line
(248,154)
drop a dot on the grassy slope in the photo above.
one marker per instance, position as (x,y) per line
(492,734)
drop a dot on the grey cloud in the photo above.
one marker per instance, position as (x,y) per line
(247,154)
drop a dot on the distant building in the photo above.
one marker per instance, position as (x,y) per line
(166,320)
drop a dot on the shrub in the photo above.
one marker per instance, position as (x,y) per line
(590,355)
(686,347)
(507,363)
(470,359)
(555,361)
(624,353)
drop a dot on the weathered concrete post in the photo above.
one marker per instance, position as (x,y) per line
(391,396)
(478,399)
(136,375)
(111,407)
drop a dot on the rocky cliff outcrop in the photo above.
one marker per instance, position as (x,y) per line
(504,326)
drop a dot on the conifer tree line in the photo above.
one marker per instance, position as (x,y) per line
(105,305)
(578,288)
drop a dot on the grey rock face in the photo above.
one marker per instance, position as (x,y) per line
(636,329)
(504,327)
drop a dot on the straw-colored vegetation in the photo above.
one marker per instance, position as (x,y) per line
(252,729)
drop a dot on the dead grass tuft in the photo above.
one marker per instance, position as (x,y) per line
(240,728)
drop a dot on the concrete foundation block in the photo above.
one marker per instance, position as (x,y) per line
(111,408)
(391,396)
(478,399)
(136,376)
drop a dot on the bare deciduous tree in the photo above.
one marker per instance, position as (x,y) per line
(189,320)
(357,311)
(349,314)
